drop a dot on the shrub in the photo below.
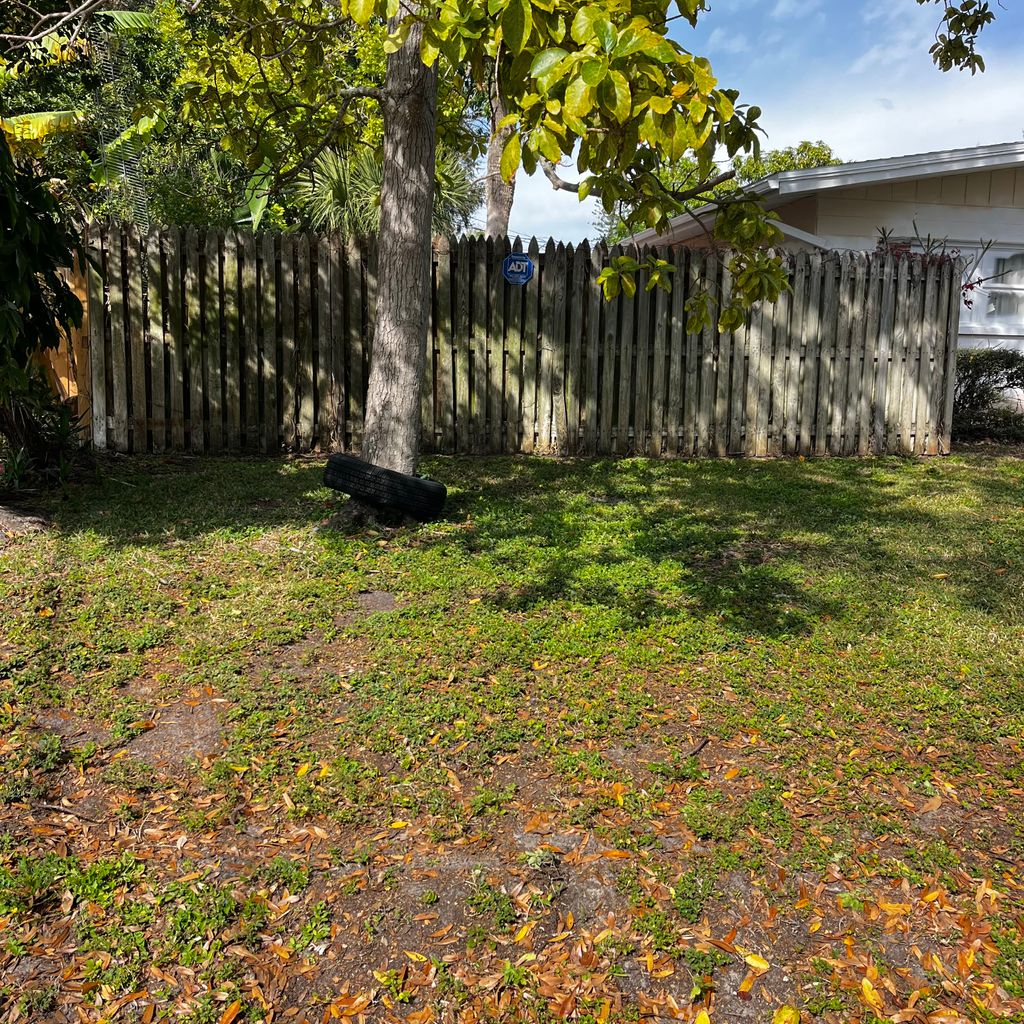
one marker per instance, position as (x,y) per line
(36,308)
(981,411)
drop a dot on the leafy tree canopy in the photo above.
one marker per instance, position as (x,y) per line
(614,226)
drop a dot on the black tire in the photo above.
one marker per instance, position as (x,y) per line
(385,488)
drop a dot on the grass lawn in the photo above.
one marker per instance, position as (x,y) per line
(615,741)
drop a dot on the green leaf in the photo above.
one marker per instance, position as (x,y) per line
(510,157)
(623,98)
(361,10)
(396,40)
(606,34)
(517,24)
(583,24)
(430,47)
(545,143)
(660,104)
(579,98)
(36,126)
(546,61)
(593,72)
(130,21)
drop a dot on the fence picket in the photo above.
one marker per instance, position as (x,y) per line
(573,374)
(118,426)
(357,332)
(531,350)
(193,326)
(610,339)
(212,317)
(642,365)
(659,375)
(269,440)
(323,345)
(872,320)
(827,352)
(592,353)
(304,343)
(95,275)
(691,365)
(135,329)
(855,371)
(938,357)
(155,307)
(478,349)
(337,394)
(897,370)
(922,382)
(444,438)
(676,351)
(949,376)
(513,361)
(886,317)
(810,364)
(462,344)
(722,376)
(231,330)
(795,353)
(249,345)
(545,354)
(911,358)
(496,319)
(624,442)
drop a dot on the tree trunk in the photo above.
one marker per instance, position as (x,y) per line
(392,429)
(499,192)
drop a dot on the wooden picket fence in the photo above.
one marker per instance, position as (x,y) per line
(214,342)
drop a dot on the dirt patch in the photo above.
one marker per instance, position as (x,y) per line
(70,727)
(181,732)
(368,602)
(16,524)
(313,658)
(376,601)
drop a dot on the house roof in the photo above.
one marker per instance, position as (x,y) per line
(776,189)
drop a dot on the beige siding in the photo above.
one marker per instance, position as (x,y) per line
(961,207)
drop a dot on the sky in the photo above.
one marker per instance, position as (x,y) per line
(853,73)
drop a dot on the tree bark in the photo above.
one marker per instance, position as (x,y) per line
(500,193)
(409,106)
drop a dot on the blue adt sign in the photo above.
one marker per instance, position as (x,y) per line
(517,268)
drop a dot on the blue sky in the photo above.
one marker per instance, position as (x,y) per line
(855,73)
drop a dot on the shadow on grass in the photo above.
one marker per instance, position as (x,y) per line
(747,542)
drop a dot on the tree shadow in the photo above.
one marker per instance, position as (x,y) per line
(745,542)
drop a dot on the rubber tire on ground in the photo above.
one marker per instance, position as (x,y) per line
(385,488)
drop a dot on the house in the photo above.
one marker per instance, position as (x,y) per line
(965,196)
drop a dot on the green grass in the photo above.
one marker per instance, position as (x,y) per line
(848,635)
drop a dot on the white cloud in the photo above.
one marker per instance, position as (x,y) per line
(905,34)
(923,109)
(724,41)
(792,8)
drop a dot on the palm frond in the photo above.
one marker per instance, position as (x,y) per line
(39,125)
(342,193)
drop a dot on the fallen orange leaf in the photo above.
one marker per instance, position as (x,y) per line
(231,1012)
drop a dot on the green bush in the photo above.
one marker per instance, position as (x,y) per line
(981,410)
(36,308)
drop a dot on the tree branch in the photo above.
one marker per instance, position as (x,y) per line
(559,184)
(48,23)
(347,96)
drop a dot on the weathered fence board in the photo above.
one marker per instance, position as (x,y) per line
(209,342)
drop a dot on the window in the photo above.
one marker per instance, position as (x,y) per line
(998,303)
(1004,291)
